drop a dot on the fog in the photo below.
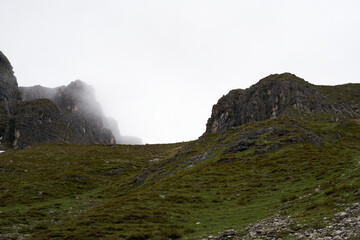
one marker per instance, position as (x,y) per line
(158,66)
(78,98)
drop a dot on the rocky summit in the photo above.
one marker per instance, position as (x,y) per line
(279,95)
(31,115)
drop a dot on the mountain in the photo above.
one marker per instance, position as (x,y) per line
(32,115)
(78,100)
(80,114)
(288,167)
(280,95)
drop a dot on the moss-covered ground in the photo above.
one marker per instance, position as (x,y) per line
(308,169)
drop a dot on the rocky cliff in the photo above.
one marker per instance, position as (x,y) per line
(30,115)
(9,96)
(79,112)
(281,94)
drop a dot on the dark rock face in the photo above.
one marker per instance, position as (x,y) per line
(78,100)
(275,94)
(38,121)
(9,96)
(77,97)
(80,112)
(37,114)
(80,116)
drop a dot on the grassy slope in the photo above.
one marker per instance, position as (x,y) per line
(187,190)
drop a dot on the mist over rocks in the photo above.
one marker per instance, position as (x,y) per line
(282,94)
(131,140)
(79,111)
(112,124)
(37,114)
(78,99)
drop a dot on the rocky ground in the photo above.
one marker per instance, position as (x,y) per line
(344,225)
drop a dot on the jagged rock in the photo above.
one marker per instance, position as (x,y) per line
(276,138)
(80,111)
(37,115)
(197,159)
(227,233)
(38,121)
(243,144)
(79,100)
(246,140)
(9,96)
(282,94)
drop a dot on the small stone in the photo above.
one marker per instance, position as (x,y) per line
(253,234)
(338,232)
(227,233)
(341,214)
(271,233)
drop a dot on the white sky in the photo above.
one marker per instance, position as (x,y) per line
(159,66)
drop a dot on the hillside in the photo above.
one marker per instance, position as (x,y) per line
(292,176)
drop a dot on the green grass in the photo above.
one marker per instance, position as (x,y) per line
(59,191)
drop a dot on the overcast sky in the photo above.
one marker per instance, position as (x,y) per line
(159,66)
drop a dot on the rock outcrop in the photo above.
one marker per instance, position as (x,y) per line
(280,94)
(80,113)
(9,96)
(30,115)
(78,100)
